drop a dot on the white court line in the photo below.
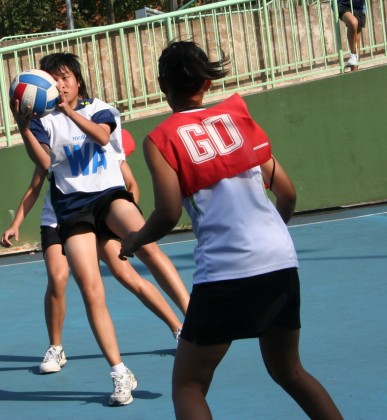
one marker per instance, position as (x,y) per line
(298,225)
(338,220)
(22,263)
(194,240)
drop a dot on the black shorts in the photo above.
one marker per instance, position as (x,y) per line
(360,16)
(49,236)
(92,217)
(222,311)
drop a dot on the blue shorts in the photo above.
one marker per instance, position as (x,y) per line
(49,236)
(359,15)
(91,219)
(223,311)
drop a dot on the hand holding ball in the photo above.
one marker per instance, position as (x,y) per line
(35,89)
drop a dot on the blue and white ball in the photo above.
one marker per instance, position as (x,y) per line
(36,89)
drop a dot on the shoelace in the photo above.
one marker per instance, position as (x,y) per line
(52,354)
(118,385)
(176,334)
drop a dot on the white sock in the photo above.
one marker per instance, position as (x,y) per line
(120,368)
(57,348)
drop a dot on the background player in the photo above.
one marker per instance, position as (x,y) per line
(352,13)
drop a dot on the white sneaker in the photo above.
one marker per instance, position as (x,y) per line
(176,334)
(53,360)
(352,61)
(123,387)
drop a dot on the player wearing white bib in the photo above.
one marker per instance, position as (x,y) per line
(79,165)
(89,197)
(215,162)
(58,270)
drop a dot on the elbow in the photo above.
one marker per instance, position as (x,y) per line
(102,137)
(292,199)
(43,163)
(289,198)
(286,206)
(46,165)
(169,217)
(171,221)
(103,141)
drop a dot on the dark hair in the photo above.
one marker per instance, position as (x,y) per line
(54,63)
(184,66)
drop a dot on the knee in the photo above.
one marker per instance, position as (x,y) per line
(57,283)
(190,392)
(288,376)
(93,294)
(148,253)
(352,24)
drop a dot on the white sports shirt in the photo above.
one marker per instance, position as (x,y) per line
(82,169)
(240,233)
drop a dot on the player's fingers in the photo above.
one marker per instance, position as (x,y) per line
(124,255)
(5,242)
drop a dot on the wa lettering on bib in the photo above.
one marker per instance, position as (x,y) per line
(79,163)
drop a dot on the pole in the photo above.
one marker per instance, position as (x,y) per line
(69,13)
(110,12)
(173,5)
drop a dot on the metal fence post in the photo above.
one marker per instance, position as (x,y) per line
(269,43)
(5,102)
(338,35)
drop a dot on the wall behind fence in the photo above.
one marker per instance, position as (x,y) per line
(269,46)
(329,134)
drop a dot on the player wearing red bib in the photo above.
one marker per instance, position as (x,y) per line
(215,162)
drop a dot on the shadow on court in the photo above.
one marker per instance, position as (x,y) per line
(343,273)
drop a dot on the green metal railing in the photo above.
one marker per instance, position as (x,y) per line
(270,43)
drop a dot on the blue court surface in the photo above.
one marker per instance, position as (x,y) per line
(343,271)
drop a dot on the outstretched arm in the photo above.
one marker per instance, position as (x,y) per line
(282,187)
(168,206)
(26,204)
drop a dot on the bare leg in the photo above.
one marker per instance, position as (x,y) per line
(279,347)
(55,297)
(165,274)
(192,375)
(81,252)
(352,31)
(142,288)
(124,217)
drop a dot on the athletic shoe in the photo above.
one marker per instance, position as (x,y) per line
(353,61)
(176,334)
(123,386)
(53,360)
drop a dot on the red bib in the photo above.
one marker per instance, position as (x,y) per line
(206,146)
